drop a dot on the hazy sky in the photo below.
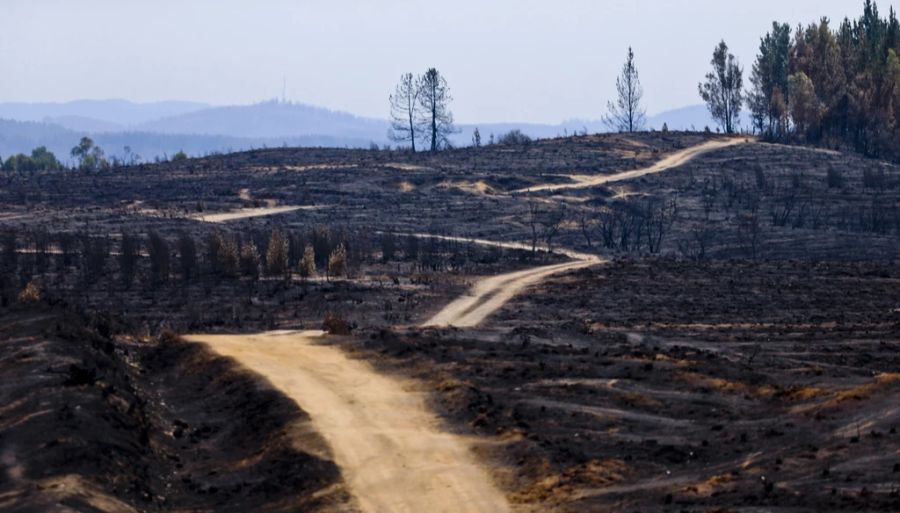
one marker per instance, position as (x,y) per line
(505,60)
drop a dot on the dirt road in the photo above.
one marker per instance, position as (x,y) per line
(244,213)
(391,450)
(674,160)
(490,294)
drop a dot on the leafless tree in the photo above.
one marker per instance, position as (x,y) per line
(308,262)
(552,221)
(249,260)
(337,261)
(533,222)
(388,247)
(158,251)
(659,218)
(187,251)
(94,252)
(405,111)
(626,113)
(434,100)
(10,251)
(586,224)
(750,234)
(695,245)
(213,251)
(277,254)
(228,255)
(128,251)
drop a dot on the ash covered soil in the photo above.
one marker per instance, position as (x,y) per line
(766,383)
(677,386)
(94,422)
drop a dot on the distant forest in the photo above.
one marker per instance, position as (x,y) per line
(838,87)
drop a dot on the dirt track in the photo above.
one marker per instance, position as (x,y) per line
(245,213)
(390,448)
(490,294)
(674,160)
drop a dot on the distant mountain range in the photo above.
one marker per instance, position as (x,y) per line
(164,128)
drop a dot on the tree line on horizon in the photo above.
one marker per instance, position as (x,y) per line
(838,87)
(835,87)
(88,155)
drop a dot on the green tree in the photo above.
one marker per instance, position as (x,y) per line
(44,159)
(769,80)
(806,109)
(90,157)
(723,89)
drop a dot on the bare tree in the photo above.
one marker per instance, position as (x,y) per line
(228,255)
(249,260)
(277,255)
(659,219)
(404,111)
(10,252)
(127,257)
(158,250)
(434,100)
(187,251)
(586,224)
(626,113)
(533,222)
(337,261)
(308,262)
(553,220)
(723,89)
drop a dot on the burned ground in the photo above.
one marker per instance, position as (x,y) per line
(674,386)
(738,352)
(94,422)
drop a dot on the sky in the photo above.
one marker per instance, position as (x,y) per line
(540,61)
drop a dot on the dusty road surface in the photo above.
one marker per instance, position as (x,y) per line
(391,450)
(245,213)
(674,160)
(490,294)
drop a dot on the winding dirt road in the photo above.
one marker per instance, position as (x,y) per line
(391,449)
(245,213)
(490,294)
(676,159)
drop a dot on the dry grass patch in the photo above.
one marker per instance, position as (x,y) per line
(880,383)
(560,487)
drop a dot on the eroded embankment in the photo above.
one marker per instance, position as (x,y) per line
(93,423)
